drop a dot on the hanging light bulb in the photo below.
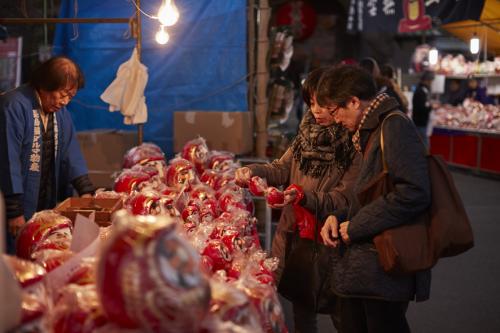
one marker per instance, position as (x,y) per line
(474,44)
(168,13)
(162,36)
(433,56)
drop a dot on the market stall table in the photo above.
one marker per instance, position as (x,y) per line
(474,149)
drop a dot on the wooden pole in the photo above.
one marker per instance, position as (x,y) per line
(262,78)
(138,45)
(251,55)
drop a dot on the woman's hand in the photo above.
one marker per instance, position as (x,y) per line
(242,176)
(290,195)
(343,232)
(330,231)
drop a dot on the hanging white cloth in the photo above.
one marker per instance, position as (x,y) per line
(126,92)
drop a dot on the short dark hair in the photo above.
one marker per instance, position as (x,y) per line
(370,65)
(387,71)
(311,83)
(57,73)
(340,83)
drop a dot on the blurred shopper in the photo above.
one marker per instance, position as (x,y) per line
(454,94)
(422,106)
(369,299)
(478,93)
(39,153)
(371,66)
(322,160)
(384,84)
(393,88)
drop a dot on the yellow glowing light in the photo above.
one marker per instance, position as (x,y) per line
(162,36)
(433,56)
(474,45)
(168,13)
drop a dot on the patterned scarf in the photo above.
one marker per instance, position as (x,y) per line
(373,105)
(319,149)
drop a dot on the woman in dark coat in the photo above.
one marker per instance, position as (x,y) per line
(371,300)
(323,162)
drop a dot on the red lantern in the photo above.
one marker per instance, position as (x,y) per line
(300,16)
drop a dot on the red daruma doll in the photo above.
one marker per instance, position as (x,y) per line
(196,151)
(274,196)
(257,186)
(181,174)
(149,276)
(142,154)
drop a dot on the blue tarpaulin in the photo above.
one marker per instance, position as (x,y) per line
(202,67)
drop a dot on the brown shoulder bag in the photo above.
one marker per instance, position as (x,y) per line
(443,230)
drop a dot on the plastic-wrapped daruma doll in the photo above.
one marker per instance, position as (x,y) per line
(142,154)
(181,174)
(196,151)
(221,160)
(78,310)
(42,227)
(130,180)
(149,276)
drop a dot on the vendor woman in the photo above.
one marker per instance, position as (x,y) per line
(39,153)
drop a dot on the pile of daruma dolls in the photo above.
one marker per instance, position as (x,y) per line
(183,255)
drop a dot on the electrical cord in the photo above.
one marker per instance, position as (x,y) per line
(143,12)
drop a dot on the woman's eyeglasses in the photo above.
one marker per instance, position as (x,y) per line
(333,110)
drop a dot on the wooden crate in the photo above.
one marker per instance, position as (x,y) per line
(103,208)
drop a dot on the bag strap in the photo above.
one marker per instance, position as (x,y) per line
(395,113)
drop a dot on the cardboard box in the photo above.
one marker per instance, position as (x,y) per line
(231,131)
(103,209)
(104,150)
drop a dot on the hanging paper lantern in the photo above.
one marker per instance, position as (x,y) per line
(300,16)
